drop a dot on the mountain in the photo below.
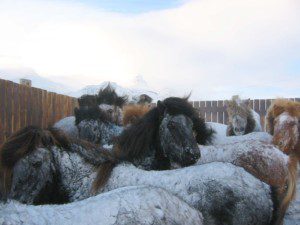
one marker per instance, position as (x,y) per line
(15,74)
(139,87)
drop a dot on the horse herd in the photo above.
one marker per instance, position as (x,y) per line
(109,144)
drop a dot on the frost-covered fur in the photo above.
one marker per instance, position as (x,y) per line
(90,124)
(67,124)
(222,192)
(97,132)
(221,138)
(262,160)
(225,194)
(241,118)
(259,158)
(130,205)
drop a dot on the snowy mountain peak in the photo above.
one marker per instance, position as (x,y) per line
(140,83)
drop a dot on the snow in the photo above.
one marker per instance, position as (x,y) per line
(205,187)
(220,137)
(67,124)
(256,117)
(254,153)
(129,205)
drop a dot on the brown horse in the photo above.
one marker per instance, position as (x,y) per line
(131,113)
(283,123)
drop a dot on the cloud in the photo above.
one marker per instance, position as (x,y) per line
(214,48)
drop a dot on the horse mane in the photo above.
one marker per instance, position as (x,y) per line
(87,101)
(22,143)
(91,113)
(131,113)
(109,96)
(283,105)
(136,140)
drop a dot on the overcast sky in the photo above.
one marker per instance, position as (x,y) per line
(214,48)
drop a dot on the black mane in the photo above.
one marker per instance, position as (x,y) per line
(87,101)
(91,113)
(137,139)
(109,96)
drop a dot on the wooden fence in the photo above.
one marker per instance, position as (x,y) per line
(21,106)
(215,111)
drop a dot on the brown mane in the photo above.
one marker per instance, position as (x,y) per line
(22,143)
(279,106)
(131,113)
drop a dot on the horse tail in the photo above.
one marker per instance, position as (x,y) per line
(290,191)
(103,174)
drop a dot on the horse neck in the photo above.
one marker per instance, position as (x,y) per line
(153,159)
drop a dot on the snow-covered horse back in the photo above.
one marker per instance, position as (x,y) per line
(241,118)
(141,205)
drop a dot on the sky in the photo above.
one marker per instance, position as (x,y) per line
(212,48)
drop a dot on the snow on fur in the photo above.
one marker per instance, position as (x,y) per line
(223,192)
(67,124)
(129,205)
(220,137)
(252,152)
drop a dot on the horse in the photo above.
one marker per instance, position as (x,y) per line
(141,142)
(97,119)
(174,134)
(282,121)
(131,113)
(241,118)
(38,166)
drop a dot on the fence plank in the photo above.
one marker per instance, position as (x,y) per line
(2,110)
(220,112)
(9,107)
(21,106)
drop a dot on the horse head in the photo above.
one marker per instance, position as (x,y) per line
(239,113)
(178,141)
(286,132)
